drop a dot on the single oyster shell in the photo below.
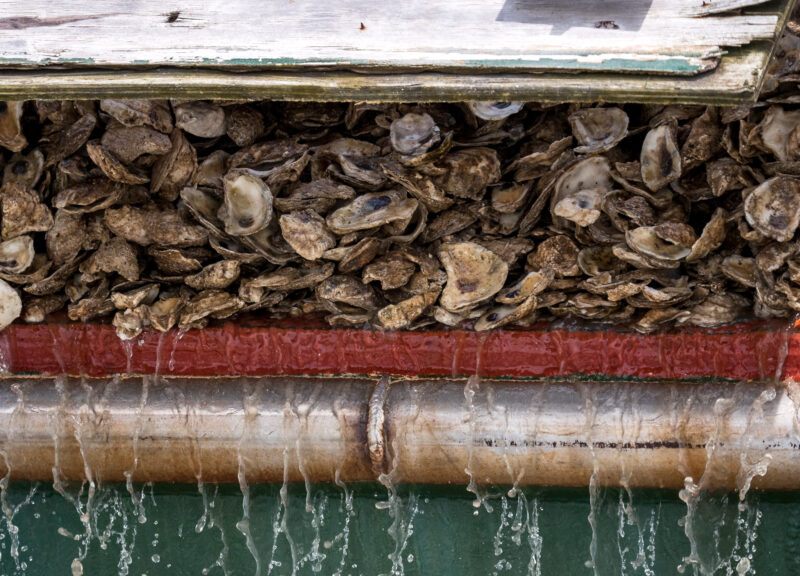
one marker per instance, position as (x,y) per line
(112,167)
(247,207)
(153,113)
(174,170)
(512,198)
(144,294)
(474,275)
(414,134)
(16,255)
(36,309)
(55,282)
(129,143)
(371,210)
(131,322)
(245,125)
(704,139)
(204,207)
(217,276)
(726,174)
(598,129)
(23,212)
(358,255)
(773,256)
(10,304)
(152,225)
(494,110)
(449,222)
(740,269)
(595,260)
(583,207)
(96,194)
(773,208)
(174,261)
(557,253)
(642,261)
(70,140)
(590,174)
(655,318)
(404,313)
(164,314)
(530,284)
(716,310)
(116,255)
(230,249)
(468,172)
(502,315)
(214,303)
(712,237)
(347,290)
(779,133)
(201,119)
(306,232)
(37,271)
(212,169)
(24,170)
(671,241)
(11,136)
(660,158)
(392,270)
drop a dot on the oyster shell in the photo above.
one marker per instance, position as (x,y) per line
(201,119)
(773,208)
(371,210)
(306,232)
(598,129)
(11,136)
(16,255)
(494,110)
(247,207)
(669,241)
(216,276)
(660,158)
(150,224)
(23,212)
(414,134)
(154,113)
(474,275)
(10,304)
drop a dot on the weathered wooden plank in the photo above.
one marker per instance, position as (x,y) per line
(735,81)
(652,36)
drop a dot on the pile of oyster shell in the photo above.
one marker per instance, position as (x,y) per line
(163,214)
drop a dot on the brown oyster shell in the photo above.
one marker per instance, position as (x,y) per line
(773,208)
(598,129)
(306,232)
(474,274)
(150,224)
(660,158)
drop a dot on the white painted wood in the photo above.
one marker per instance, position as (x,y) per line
(644,35)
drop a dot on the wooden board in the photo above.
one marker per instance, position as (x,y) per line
(654,36)
(627,50)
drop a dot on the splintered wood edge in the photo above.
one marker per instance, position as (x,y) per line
(735,81)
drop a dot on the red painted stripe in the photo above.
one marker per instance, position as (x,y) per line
(742,351)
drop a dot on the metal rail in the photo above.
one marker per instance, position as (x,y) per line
(649,434)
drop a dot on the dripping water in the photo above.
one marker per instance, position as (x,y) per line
(250,407)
